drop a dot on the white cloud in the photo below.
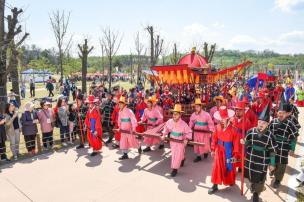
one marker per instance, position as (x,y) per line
(289,42)
(218,25)
(289,5)
(243,39)
(294,36)
(195,34)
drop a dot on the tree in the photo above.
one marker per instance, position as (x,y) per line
(175,55)
(156,46)
(13,31)
(138,48)
(111,41)
(102,61)
(60,22)
(131,67)
(83,53)
(164,53)
(3,48)
(209,53)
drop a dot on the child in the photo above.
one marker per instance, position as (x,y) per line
(72,120)
(12,98)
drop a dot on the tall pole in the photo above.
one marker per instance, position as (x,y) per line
(243,152)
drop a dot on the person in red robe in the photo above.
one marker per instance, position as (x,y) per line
(279,89)
(167,100)
(259,104)
(114,118)
(93,125)
(139,111)
(249,113)
(224,149)
(238,122)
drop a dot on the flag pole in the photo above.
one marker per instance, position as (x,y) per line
(243,153)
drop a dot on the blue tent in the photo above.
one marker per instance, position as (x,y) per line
(252,82)
(36,75)
(32,71)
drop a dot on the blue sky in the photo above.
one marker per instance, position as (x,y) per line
(236,24)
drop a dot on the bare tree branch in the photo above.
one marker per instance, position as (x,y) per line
(59,23)
(111,41)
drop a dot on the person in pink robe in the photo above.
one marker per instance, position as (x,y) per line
(152,118)
(177,129)
(201,120)
(127,124)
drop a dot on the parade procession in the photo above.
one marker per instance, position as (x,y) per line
(247,130)
(164,101)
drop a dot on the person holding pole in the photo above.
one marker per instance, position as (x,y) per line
(178,129)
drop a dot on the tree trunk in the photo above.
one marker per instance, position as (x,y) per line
(138,69)
(3,77)
(152,47)
(110,73)
(84,73)
(61,66)
(14,73)
(131,64)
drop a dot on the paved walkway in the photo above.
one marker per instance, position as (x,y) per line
(70,175)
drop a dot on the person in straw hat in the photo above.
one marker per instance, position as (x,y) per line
(238,122)
(224,148)
(127,122)
(114,118)
(153,118)
(93,125)
(156,105)
(261,148)
(177,129)
(201,120)
(219,101)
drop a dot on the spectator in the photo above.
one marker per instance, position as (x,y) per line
(300,97)
(12,128)
(50,87)
(29,122)
(106,111)
(32,88)
(289,92)
(46,120)
(72,120)
(63,120)
(12,98)
(3,156)
(73,89)
(67,88)
(23,88)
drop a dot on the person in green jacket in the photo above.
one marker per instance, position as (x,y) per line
(300,97)
(50,87)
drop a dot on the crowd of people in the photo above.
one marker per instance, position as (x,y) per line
(245,130)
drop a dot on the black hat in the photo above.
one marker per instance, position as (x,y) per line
(265,114)
(282,103)
(287,107)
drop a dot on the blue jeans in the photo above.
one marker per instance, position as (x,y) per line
(64,133)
